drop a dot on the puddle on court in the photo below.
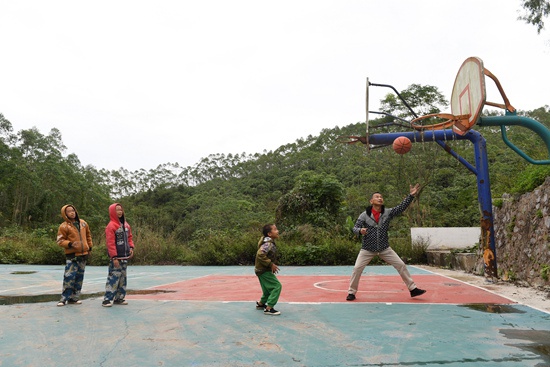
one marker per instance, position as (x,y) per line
(22,272)
(39,298)
(492,308)
(538,341)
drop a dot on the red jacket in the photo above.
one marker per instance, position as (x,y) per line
(80,241)
(118,234)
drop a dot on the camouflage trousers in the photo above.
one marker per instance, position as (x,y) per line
(115,288)
(73,278)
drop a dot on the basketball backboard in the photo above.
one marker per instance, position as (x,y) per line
(468,97)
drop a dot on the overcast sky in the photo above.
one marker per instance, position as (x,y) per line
(135,84)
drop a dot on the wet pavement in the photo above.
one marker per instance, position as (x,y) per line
(205,316)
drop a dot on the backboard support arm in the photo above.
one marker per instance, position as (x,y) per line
(511,119)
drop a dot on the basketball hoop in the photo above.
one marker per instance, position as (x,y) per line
(467,99)
(460,122)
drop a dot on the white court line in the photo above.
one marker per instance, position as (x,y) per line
(145,275)
(49,287)
(341,303)
(179,281)
(131,276)
(487,290)
(28,287)
(317,285)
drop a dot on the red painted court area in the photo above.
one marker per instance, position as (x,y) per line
(325,289)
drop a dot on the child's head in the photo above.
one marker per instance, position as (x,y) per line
(70,212)
(119,211)
(270,230)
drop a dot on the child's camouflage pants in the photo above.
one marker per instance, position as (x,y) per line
(115,288)
(73,278)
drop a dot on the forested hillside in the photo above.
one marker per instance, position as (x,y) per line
(211,213)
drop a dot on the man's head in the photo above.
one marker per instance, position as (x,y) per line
(376,199)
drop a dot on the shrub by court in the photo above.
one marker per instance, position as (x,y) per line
(302,246)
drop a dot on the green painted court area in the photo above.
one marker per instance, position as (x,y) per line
(205,316)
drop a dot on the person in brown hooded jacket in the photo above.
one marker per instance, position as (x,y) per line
(75,237)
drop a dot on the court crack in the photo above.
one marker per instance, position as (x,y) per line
(118,342)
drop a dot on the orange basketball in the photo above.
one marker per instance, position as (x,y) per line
(402,145)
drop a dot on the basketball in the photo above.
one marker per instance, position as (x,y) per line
(402,145)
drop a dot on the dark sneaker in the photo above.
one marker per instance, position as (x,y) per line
(74,302)
(350,297)
(417,292)
(259,306)
(120,302)
(61,303)
(106,303)
(271,311)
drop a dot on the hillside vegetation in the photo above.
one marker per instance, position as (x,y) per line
(211,213)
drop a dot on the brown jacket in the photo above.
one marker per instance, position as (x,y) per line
(75,242)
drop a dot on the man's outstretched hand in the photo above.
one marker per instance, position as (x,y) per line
(415,189)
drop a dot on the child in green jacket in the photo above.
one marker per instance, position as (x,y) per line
(265,268)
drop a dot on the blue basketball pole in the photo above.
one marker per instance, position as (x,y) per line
(481,170)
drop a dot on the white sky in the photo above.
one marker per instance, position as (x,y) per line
(135,84)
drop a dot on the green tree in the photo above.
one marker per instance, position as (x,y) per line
(316,199)
(423,99)
(36,179)
(535,12)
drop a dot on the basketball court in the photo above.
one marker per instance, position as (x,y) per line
(205,316)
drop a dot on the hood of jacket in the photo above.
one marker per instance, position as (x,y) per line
(76,240)
(115,220)
(369,210)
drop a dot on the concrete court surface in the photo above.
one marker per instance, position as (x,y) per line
(205,316)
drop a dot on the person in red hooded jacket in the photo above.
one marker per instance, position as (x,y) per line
(120,248)
(75,237)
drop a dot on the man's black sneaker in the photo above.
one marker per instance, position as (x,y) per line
(74,302)
(259,306)
(106,303)
(417,292)
(350,297)
(120,302)
(271,311)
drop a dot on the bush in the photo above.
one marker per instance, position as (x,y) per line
(151,248)
(309,245)
(219,247)
(331,252)
(37,247)
(545,272)
(531,178)
(49,253)
(12,252)
(305,245)
(411,253)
